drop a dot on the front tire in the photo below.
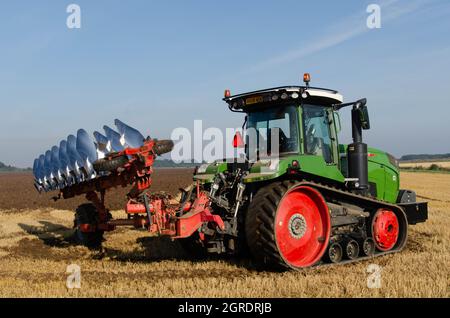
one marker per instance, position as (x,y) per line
(287,226)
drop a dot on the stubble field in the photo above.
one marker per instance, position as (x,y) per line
(36,247)
(425,165)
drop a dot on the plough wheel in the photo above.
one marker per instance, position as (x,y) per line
(193,247)
(86,215)
(288,226)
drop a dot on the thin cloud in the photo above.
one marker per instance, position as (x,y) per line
(351,27)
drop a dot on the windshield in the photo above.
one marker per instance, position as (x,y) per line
(272,131)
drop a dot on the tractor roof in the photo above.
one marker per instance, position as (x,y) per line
(283,94)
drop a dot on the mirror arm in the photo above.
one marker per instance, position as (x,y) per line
(356,120)
(357,104)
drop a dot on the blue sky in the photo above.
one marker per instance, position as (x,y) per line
(158,65)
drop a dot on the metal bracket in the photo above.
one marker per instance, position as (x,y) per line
(147,210)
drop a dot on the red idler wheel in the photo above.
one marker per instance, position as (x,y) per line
(302,227)
(385,229)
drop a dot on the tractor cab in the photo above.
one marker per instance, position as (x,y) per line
(299,122)
(303,117)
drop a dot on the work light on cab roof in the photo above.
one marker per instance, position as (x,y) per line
(279,96)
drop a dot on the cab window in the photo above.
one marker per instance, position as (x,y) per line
(278,121)
(317,132)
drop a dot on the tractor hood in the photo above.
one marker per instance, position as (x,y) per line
(205,173)
(383,158)
(259,171)
(267,169)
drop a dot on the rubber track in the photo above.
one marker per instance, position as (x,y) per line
(260,218)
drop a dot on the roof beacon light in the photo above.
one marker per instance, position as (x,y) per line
(306,79)
(227,93)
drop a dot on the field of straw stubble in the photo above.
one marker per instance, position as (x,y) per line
(36,248)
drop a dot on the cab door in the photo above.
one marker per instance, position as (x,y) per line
(320,133)
(320,142)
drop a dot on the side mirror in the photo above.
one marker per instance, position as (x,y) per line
(364,117)
(337,122)
(363,113)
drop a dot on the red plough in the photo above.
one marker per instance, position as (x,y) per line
(153,212)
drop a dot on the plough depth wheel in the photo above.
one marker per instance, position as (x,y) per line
(86,220)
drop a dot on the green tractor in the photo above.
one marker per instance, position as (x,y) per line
(299,197)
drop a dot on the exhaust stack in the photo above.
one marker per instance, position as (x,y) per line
(357,151)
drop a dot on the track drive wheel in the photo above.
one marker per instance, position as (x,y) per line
(287,226)
(86,216)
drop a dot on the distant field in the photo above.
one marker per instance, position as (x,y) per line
(425,164)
